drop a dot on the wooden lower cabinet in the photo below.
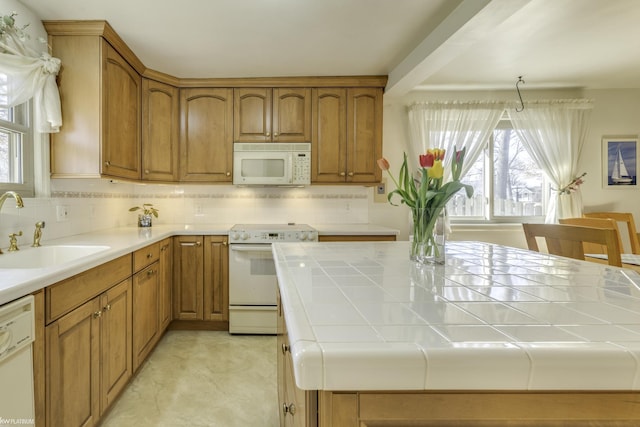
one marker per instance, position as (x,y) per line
(146,316)
(201,279)
(357,238)
(166,281)
(298,408)
(88,358)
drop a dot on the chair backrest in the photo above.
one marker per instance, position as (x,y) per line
(567,240)
(595,248)
(621,217)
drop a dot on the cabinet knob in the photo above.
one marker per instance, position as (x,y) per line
(146,171)
(150,272)
(275,134)
(224,243)
(107,307)
(290,408)
(285,348)
(97,314)
(267,134)
(149,255)
(228,173)
(342,173)
(350,174)
(107,163)
(198,243)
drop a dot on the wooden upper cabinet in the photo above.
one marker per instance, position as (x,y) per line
(272,115)
(100,101)
(206,134)
(160,131)
(329,141)
(121,88)
(364,134)
(347,135)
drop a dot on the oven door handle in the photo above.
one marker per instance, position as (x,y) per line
(251,248)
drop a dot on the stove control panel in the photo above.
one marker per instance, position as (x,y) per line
(245,236)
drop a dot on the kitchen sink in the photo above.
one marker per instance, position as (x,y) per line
(47,256)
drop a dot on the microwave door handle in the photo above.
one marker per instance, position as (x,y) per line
(250,248)
(290,169)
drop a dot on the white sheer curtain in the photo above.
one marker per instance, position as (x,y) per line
(553,133)
(450,124)
(30,74)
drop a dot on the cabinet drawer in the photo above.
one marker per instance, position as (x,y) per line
(64,296)
(146,256)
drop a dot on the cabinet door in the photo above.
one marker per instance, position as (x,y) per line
(329,135)
(166,280)
(291,115)
(187,278)
(121,116)
(364,134)
(115,363)
(160,131)
(206,138)
(252,115)
(145,312)
(281,352)
(73,357)
(216,278)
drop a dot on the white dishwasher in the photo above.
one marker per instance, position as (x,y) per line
(17,333)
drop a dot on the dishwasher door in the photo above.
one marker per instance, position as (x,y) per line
(17,332)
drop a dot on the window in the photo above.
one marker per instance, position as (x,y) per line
(508,185)
(16,146)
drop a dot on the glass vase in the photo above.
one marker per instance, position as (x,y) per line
(144,220)
(427,246)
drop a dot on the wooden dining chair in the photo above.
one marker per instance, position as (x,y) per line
(625,217)
(567,240)
(595,248)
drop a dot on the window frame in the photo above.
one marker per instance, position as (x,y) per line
(27,187)
(490,217)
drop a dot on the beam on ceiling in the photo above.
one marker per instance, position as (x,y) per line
(461,29)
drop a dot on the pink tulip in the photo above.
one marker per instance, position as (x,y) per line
(383,164)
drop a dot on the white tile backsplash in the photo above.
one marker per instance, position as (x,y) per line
(95,204)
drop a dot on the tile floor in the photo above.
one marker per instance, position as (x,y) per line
(203,379)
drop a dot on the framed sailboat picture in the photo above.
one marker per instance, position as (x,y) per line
(620,155)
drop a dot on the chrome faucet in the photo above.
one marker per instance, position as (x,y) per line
(19,203)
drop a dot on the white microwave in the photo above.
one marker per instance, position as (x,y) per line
(276,164)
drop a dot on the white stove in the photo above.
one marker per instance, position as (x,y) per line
(253,284)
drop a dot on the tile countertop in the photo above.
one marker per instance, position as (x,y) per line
(361,316)
(15,283)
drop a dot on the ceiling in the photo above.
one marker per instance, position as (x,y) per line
(424,44)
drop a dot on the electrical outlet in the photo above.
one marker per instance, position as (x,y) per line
(62,213)
(380,192)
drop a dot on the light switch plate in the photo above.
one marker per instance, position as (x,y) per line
(62,213)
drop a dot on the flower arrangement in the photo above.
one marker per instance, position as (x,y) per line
(573,185)
(427,197)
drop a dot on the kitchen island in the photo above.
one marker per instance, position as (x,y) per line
(496,336)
